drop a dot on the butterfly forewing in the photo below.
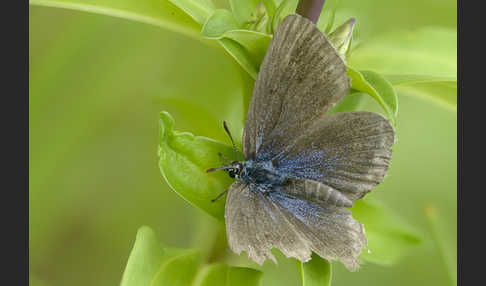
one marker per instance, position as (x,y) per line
(300,78)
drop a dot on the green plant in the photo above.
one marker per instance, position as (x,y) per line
(378,66)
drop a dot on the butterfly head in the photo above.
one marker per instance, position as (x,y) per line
(235,170)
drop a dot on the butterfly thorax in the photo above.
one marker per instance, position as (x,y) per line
(260,173)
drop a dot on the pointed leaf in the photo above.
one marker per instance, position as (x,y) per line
(341,38)
(179,269)
(270,7)
(155,12)
(151,264)
(402,79)
(428,51)
(145,259)
(352,101)
(377,87)
(443,93)
(241,56)
(241,276)
(199,10)
(218,23)
(225,275)
(184,159)
(442,90)
(316,272)
(255,43)
(388,236)
(243,9)
(280,13)
(248,48)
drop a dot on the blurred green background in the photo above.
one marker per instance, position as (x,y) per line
(97,85)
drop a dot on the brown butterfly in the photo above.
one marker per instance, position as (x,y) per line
(303,167)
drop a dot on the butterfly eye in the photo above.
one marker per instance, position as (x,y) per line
(232,173)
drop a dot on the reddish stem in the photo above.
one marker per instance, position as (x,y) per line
(311,9)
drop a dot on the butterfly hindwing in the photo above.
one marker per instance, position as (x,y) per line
(300,78)
(347,151)
(255,225)
(256,222)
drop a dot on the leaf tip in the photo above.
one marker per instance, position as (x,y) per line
(166,124)
(144,231)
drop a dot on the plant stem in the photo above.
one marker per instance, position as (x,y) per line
(311,9)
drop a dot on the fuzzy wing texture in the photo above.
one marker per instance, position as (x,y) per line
(301,78)
(348,152)
(257,222)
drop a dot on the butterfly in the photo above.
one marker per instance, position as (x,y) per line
(303,168)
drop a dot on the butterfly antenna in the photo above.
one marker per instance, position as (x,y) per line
(231,137)
(225,167)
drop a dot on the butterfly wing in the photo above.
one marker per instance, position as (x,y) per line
(255,225)
(348,152)
(300,78)
(316,192)
(257,222)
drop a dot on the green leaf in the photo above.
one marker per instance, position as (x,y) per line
(402,79)
(328,16)
(316,272)
(243,9)
(184,159)
(443,93)
(222,274)
(178,269)
(445,237)
(377,87)
(255,43)
(284,8)
(430,51)
(241,56)
(419,63)
(389,237)
(145,259)
(218,23)
(352,101)
(341,38)
(442,90)
(199,10)
(155,12)
(270,7)
(151,264)
(248,48)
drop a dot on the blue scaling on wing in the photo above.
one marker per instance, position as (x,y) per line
(330,231)
(347,151)
(306,211)
(258,222)
(312,163)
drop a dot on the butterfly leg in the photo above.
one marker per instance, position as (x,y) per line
(219,196)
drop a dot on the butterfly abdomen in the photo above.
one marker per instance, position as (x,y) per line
(316,192)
